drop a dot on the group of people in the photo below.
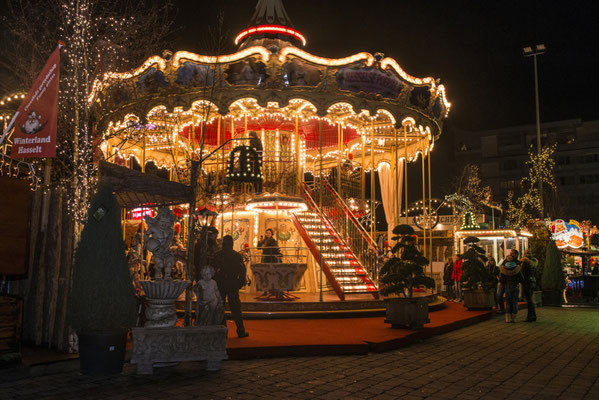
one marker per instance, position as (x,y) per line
(509,275)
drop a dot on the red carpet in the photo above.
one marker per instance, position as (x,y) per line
(308,337)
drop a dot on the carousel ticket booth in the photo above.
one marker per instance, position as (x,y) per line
(286,142)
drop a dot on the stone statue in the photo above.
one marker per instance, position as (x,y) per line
(158,239)
(209,304)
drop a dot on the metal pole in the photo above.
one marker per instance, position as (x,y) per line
(538,133)
(372,188)
(320,189)
(424,217)
(405,169)
(430,209)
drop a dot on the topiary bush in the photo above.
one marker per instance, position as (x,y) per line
(102,297)
(400,275)
(474,272)
(553,277)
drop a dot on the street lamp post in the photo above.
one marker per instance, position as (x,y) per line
(534,51)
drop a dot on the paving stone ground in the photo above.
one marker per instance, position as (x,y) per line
(554,358)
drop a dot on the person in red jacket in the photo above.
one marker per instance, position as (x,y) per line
(456,275)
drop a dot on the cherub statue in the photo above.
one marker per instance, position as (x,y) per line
(158,240)
(209,304)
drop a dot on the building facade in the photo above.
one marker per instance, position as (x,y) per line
(502,155)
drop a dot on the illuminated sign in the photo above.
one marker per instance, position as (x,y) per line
(566,234)
(139,213)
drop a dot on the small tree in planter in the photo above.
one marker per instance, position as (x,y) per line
(476,280)
(102,305)
(553,279)
(399,276)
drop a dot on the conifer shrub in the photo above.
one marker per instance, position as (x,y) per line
(553,277)
(474,272)
(405,270)
(102,297)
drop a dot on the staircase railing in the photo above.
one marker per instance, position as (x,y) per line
(357,238)
(317,251)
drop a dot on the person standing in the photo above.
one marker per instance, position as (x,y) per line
(529,271)
(511,277)
(456,274)
(270,248)
(230,277)
(447,278)
(494,271)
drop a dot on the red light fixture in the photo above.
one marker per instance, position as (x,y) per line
(270,29)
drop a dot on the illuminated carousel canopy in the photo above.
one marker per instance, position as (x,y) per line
(276,201)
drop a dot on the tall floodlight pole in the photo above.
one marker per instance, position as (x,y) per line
(533,52)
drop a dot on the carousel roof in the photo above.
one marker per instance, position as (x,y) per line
(272,85)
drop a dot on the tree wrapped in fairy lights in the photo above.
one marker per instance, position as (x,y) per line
(99,36)
(529,205)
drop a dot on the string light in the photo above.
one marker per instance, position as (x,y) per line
(541,167)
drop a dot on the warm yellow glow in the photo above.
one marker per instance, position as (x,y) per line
(331,62)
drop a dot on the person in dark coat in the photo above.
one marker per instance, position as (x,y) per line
(230,277)
(511,277)
(529,271)
(270,248)
(494,270)
(447,278)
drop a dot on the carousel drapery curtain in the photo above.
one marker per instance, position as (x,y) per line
(391,192)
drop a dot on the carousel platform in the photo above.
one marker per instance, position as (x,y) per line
(308,305)
(341,336)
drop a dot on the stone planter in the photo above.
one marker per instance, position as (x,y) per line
(552,298)
(162,346)
(161,295)
(537,298)
(478,298)
(407,313)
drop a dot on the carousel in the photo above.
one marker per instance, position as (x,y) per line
(283,145)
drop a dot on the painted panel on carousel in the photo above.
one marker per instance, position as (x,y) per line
(420,97)
(239,231)
(566,234)
(357,78)
(299,73)
(287,235)
(246,72)
(151,81)
(120,93)
(437,108)
(195,75)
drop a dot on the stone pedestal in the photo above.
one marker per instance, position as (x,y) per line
(164,345)
(161,295)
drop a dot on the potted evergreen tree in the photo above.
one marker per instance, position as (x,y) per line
(399,276)
(478,283)
(553,279)
(102,305)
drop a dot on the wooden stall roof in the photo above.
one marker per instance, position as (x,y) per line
(134,189)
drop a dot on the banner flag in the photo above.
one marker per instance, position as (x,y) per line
(35,120)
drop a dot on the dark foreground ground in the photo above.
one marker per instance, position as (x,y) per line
(556,357)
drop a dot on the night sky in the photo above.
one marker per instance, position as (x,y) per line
(474,46)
